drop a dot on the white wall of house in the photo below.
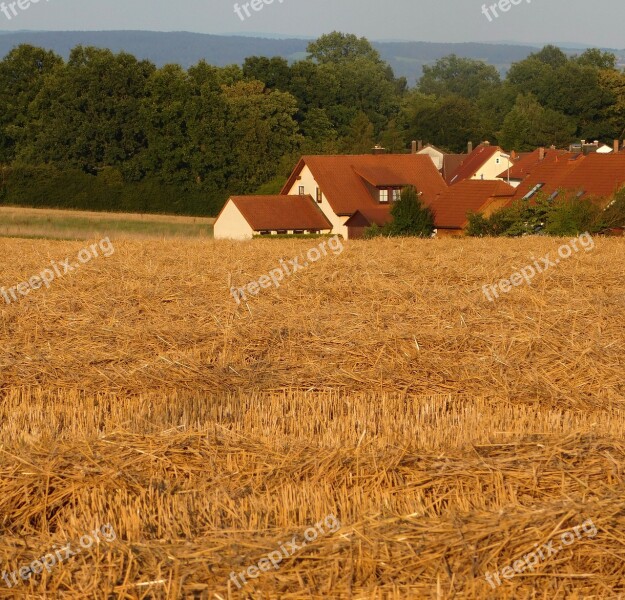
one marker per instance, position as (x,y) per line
(436,156)
(494,166)
(231,225)
(307,180)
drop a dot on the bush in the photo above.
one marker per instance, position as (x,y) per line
(50,187)
(566,216)
(410,217)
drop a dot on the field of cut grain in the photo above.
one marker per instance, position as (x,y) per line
(444,437)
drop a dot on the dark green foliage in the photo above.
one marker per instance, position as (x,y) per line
(564,216)
(49,187)
(410,218)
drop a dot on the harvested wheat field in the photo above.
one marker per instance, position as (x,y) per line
(374,428)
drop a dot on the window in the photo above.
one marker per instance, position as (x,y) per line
(553,196)
(265,233)
(498,161)
(281,232)
(383,195)
(298,232)
(319,196)
(533,191)
(302,191)
(396,195)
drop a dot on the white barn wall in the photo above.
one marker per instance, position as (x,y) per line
(231,225)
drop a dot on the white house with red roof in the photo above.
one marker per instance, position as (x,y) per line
(366,184)
(485,163)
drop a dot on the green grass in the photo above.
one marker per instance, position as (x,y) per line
(64,227)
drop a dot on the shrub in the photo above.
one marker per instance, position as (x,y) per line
(49,187)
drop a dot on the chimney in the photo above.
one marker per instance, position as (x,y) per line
(486,143)
(541,154)
(616,146)
(420,145)
(513,155)
(378,150)
(583,144)
(414,147)
(470,147)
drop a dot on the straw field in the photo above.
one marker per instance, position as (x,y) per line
(448,435)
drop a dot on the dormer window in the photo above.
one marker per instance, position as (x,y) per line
(384,196)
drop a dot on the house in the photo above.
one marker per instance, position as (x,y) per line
(595,175)
(523,164)
(446,163)
(485,162)
(451,207)
(357,191)
(243,217)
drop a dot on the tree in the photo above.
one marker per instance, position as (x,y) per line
(593,57)
(410,217)
(360,136)
(273,72)
(261,130)
(456,76)
(87,114)
(448,122)
(529,125)
(339,47)
(23,72)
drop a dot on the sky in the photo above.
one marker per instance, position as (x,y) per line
(580,22)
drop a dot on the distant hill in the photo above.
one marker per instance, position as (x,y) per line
(186,49)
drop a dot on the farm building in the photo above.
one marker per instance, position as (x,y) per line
(243,217)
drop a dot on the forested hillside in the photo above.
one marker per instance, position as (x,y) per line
(187,49)
(108,131)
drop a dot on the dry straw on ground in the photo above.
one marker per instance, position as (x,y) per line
(448,434)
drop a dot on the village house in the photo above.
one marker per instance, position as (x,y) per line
(485,162)
(452,207)
(446,163)
(597,176)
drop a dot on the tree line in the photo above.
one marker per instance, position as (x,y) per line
(107,131)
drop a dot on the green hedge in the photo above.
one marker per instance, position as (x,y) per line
(49,187)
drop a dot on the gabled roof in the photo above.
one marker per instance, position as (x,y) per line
(470,195)
(524,165)
(270,213)
(344,179)
(597,175)
(473,163)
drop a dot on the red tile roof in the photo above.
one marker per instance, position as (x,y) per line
(343,179)
(451,163)
(473,162)
(270,213)
(470,195)
(597,175)
(524,165)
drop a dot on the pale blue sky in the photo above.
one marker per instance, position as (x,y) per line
(579,21)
